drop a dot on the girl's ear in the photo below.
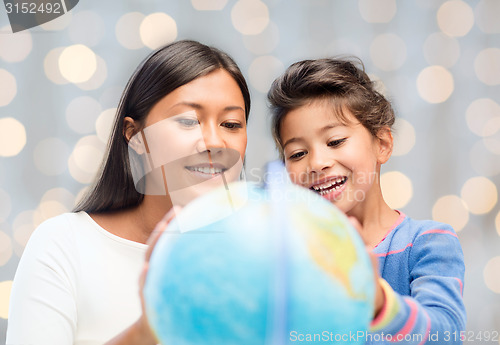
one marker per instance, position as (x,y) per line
(385,143)
(130,131)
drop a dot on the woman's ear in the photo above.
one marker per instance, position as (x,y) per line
(385,143)
(130,131)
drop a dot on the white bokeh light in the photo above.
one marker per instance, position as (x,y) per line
(86,158)
(480,195)
(22,227)
(104,124)
(80,32)
(378,84)
(481,160)
(61,195)
(15,48)
(497,223)
(158,29)
(440,49)
(49,209)
(5,291)
(77,63)
(12,137)
(487,66)
(81,114)
(486,13)
(388,52)
(455,18)
(250,17)
(491,276)
(127,30)
(8,87)
(50,156)
(452,210)
(51,67)
(98,78)
(5,248)
(60,23)
(6,205)
(404,137)
(265,42)
(481,115)
(380,11)
(208,5)
(492,143)
(81,194)
(435,84)
(396,188)
(263,70)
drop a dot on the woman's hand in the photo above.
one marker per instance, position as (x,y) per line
(379,292)
(143,325)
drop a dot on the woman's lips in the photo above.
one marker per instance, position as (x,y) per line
(206,170)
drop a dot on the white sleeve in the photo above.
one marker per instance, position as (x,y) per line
(42,307)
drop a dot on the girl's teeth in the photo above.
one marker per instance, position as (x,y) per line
(325,187)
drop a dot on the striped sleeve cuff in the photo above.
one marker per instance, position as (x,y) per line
(389,310)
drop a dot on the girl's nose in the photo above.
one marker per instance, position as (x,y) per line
(319,161)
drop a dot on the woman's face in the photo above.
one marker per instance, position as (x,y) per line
(194,138)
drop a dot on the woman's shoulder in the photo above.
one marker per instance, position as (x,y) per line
(59,229)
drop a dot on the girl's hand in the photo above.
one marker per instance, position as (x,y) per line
(143,325)
(379,292)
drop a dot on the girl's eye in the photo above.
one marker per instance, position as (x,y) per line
(187,122)
(337,142)
(232,125)
(297,155)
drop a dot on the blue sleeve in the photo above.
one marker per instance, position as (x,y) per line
(434,313)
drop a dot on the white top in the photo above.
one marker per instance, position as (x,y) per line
(76,283)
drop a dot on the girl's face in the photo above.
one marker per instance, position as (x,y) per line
(194,138)
(339,161)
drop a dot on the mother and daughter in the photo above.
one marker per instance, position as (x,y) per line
(186,108)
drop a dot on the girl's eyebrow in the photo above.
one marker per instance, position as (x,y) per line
(321,130)
(292,140)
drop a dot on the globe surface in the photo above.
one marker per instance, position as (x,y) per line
(250,265)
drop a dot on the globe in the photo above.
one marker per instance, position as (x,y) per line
(247,264)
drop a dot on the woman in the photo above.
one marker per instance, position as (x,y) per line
(182,120)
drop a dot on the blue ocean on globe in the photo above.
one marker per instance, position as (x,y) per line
(251,265)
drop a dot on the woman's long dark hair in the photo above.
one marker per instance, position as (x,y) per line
(160,73)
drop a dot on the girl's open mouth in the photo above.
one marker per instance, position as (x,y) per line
(329,186)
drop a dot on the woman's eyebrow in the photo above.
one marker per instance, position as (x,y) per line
(199,106)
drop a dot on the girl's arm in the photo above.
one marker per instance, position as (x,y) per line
(434,311)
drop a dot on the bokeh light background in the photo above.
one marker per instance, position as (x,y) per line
(437,60)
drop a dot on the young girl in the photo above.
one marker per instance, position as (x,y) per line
(333,131)
(180,125)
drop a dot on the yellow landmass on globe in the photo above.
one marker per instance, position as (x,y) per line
(335,254)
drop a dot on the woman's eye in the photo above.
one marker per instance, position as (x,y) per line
(232,125)
(297,155)
(337,142)
(187,122)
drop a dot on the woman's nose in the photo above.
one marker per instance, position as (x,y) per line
(211,139)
